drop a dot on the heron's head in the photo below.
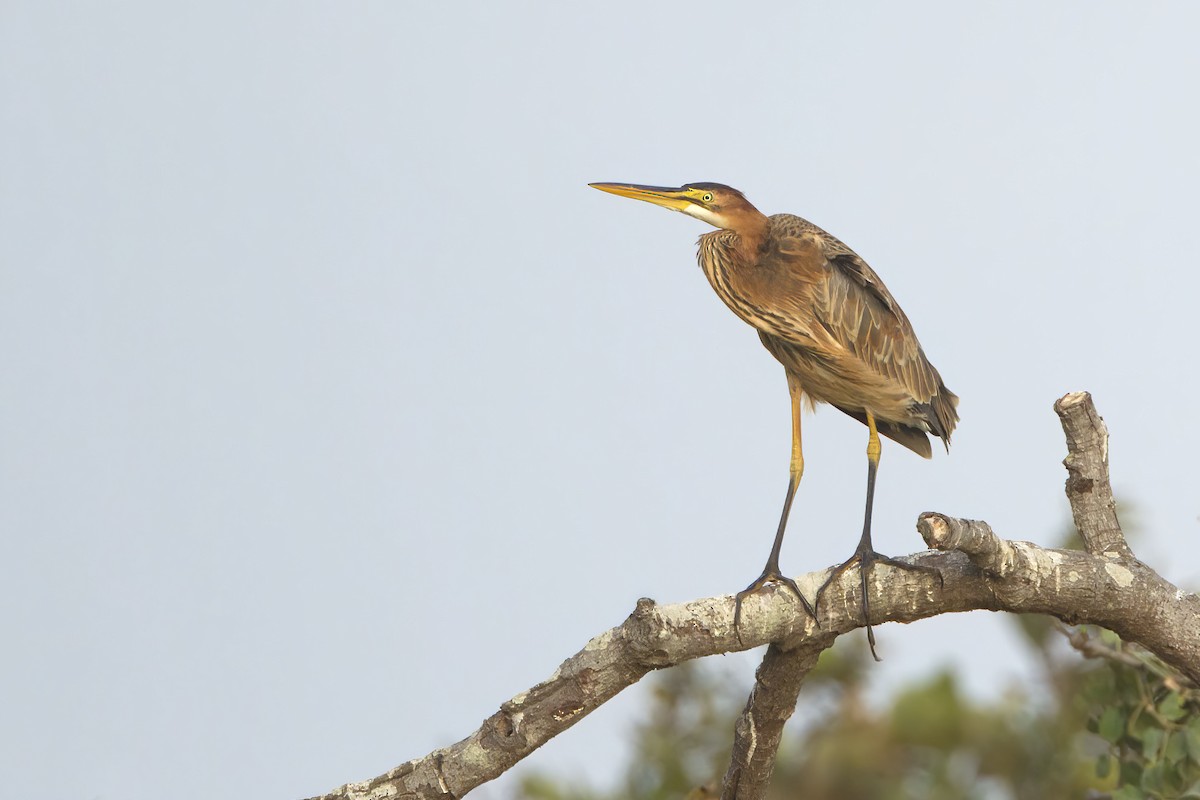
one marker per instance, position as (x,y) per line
(715,203)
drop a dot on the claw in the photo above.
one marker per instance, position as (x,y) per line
(768,576)
(866,557)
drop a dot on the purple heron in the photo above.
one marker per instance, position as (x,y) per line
(841,337)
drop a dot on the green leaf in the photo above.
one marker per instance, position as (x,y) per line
(1192,735)
(1112,724)
(1128,793)
(1131,773)
(1151,742)
(1172,707)
(1152,778)
(1099,687)
(1104,766)
(1176,747)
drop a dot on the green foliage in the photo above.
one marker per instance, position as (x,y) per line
(1147,714)
(1118,724)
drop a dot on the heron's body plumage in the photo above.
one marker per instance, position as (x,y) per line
(833,324)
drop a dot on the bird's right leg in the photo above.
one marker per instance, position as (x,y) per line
(865,555)
(771,571)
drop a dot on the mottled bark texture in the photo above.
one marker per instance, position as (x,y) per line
(1102,585)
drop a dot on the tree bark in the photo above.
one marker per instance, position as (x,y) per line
(1102,585)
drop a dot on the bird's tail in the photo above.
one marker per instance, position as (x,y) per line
(912,437)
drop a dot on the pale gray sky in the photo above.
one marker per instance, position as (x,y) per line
(336,409)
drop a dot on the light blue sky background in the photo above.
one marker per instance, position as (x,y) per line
(335,409)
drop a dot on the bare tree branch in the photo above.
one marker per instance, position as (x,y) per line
(760,728)
(1074,586)
(1104,585)
(1092,647)
(1088,487)
(1123,595)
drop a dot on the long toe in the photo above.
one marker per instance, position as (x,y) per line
(865,558)
(768,576)
(909,566)
(836,573)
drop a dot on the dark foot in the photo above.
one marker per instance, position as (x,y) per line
(866,558)
(769,575)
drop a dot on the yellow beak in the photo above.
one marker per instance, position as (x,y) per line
(675,199)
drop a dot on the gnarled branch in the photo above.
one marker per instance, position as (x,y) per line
(1104,585)
(1088,488)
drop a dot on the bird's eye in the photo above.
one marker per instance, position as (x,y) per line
(707,197)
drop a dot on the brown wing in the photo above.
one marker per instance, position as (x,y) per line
(858,313)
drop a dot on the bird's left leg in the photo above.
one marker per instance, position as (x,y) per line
(771,571)
(865,554)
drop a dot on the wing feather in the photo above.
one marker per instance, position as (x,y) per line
(855,308)
(829,319)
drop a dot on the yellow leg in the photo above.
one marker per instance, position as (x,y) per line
(865,555)
(873,447)
(797,394)
(771,571)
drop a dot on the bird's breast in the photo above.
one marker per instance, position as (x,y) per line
(763,290)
